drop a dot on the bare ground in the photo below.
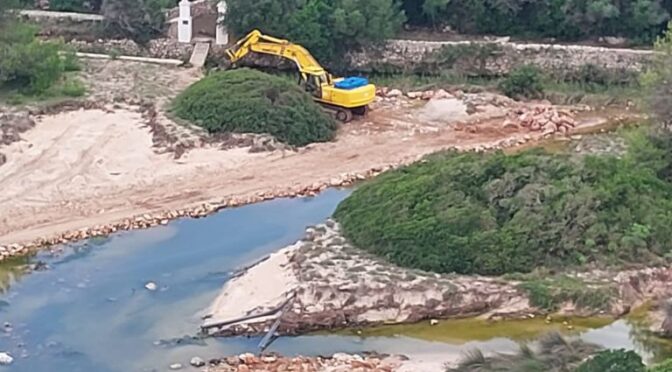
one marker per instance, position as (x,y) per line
(96,166)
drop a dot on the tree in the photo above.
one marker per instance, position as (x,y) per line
(658,80)
(433,9)
(328,28)
(140,20)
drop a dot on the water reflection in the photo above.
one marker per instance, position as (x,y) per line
(10,272)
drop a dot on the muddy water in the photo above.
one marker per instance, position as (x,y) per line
(89,311)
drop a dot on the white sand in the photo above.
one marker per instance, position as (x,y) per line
(263,287)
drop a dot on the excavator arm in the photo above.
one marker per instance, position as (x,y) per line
(255,41)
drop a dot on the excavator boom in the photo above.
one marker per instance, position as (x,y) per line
(343,97)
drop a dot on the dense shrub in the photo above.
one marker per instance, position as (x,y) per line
(565,19)
(493,214)
(249,101)
(613,361)
(326,27)
(525,81)
(28,64)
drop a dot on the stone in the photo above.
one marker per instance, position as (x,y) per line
(151,286)
(394,93)
(433,322)
(175,366)
(197,362)
(5,359)
(427,95)
(442,94)
(614,40)
(414,95)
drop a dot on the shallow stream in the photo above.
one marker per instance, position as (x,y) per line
(89,310)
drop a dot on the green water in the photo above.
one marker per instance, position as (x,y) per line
(459,331)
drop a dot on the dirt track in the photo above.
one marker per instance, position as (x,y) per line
(88,167)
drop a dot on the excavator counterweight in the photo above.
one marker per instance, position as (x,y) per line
(343,97)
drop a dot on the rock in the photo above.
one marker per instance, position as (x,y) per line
(394,93)
(151,286)
(414,95)
(5,359)
(440,94)
(175,366)
(614,40)
(433,322)
(197,362)
(427,95)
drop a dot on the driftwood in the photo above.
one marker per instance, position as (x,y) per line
(206,327)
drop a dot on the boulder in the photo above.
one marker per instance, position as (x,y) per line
(394,93)
(5,359)
(197,362)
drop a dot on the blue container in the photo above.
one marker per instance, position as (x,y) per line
(352,82)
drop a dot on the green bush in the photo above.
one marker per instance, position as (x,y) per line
(525,81)
(494,214)
(549,293)
(665,366)
(30,65)
(249,101)
(613,361)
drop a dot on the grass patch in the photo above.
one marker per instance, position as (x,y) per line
(249,101)
(550,293)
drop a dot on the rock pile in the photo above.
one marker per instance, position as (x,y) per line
(426,95)
(545,119)
(337,363)
(162,218)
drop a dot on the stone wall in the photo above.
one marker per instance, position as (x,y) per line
(157,48)
(494,57)
(63,24)
(475,58)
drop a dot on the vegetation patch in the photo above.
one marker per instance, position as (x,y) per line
(249,101)
(550,293)
(31,67)
(613,361)
(489,213)
(525,81)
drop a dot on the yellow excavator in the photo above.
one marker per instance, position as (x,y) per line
(342,97)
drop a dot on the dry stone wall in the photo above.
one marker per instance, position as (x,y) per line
(475,58)
(495,57)
(157,48)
